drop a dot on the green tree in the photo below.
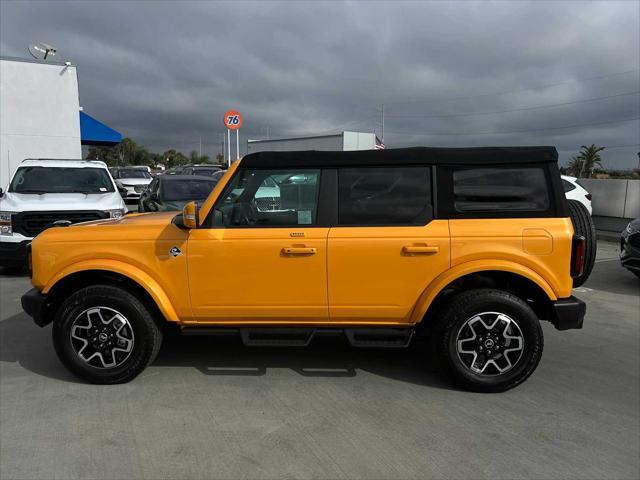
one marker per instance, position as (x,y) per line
(127,152)
(172,158)
(195,158)
(590,159)
(574,167)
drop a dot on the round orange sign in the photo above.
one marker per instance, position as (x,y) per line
(233,120)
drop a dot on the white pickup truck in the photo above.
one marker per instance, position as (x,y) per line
(44,192)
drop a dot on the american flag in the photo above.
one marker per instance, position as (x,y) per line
(379,144)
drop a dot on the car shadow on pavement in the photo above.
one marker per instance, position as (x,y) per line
(324,357)
(31,347)
(13,272)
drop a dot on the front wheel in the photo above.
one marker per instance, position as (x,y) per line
(489,340)
(104,334)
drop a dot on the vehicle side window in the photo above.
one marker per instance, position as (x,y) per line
(269,198)
(500,189)
(384,196)
(567,186)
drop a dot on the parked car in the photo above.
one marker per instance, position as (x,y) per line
(202,170)
(146,168)
(574,191)
(135,180)
(173,171)
(630,247)
(44,192)
(473,246)
(166,193)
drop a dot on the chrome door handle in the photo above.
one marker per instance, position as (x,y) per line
(299,250)
(420,249)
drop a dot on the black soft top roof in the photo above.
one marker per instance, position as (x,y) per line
(403,156)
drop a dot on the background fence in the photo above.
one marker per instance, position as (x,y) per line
(615,202)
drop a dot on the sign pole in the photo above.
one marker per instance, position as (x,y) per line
(228,147)
(233,121)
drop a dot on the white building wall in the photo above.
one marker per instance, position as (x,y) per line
(325,142)
(39,113)
(358,141)
(344,141)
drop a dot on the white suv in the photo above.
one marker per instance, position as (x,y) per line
(43,192)
(574,191)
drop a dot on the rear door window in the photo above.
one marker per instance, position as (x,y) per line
(495,189)
(384,196)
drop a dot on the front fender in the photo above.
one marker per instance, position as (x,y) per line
(444,279)
(135,274)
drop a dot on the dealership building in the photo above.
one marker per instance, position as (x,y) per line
(41,116)
(342,141)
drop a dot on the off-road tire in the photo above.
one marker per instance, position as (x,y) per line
(467,305)
(147,334)
(583,225)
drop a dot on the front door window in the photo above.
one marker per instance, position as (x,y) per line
(269,198)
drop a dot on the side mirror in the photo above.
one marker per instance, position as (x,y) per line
(121,189)
(190,215)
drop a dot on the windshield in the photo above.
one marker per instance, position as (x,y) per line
(61,180)
(205,171)
(186,190)
(133,173)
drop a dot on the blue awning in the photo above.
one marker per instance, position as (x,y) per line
(93,132)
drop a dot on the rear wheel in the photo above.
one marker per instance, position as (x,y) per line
(489,340)
(104,334)
(583,225)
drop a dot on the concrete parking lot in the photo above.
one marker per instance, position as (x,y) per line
(210,408)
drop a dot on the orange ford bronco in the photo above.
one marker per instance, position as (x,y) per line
(472,247)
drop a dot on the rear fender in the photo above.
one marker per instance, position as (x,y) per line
(446,278)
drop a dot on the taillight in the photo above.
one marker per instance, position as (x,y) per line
(588,195)
(29,259)
(578,251)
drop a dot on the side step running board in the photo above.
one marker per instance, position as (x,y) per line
(379,337)
(276,337)
(301,337)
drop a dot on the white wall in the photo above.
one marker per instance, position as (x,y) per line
(358,141)
(39,113)
(325,142)
(344,141)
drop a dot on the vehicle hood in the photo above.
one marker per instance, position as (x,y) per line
(132,227)
(24,202)
(135,181)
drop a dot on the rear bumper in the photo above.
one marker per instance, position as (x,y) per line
(568,313)
(34,304)
(13,254)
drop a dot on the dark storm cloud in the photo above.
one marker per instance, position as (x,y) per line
(164,72)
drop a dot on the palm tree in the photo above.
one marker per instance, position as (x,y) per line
(575,166)
(590,158)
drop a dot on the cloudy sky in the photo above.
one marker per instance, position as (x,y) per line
(448,73)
